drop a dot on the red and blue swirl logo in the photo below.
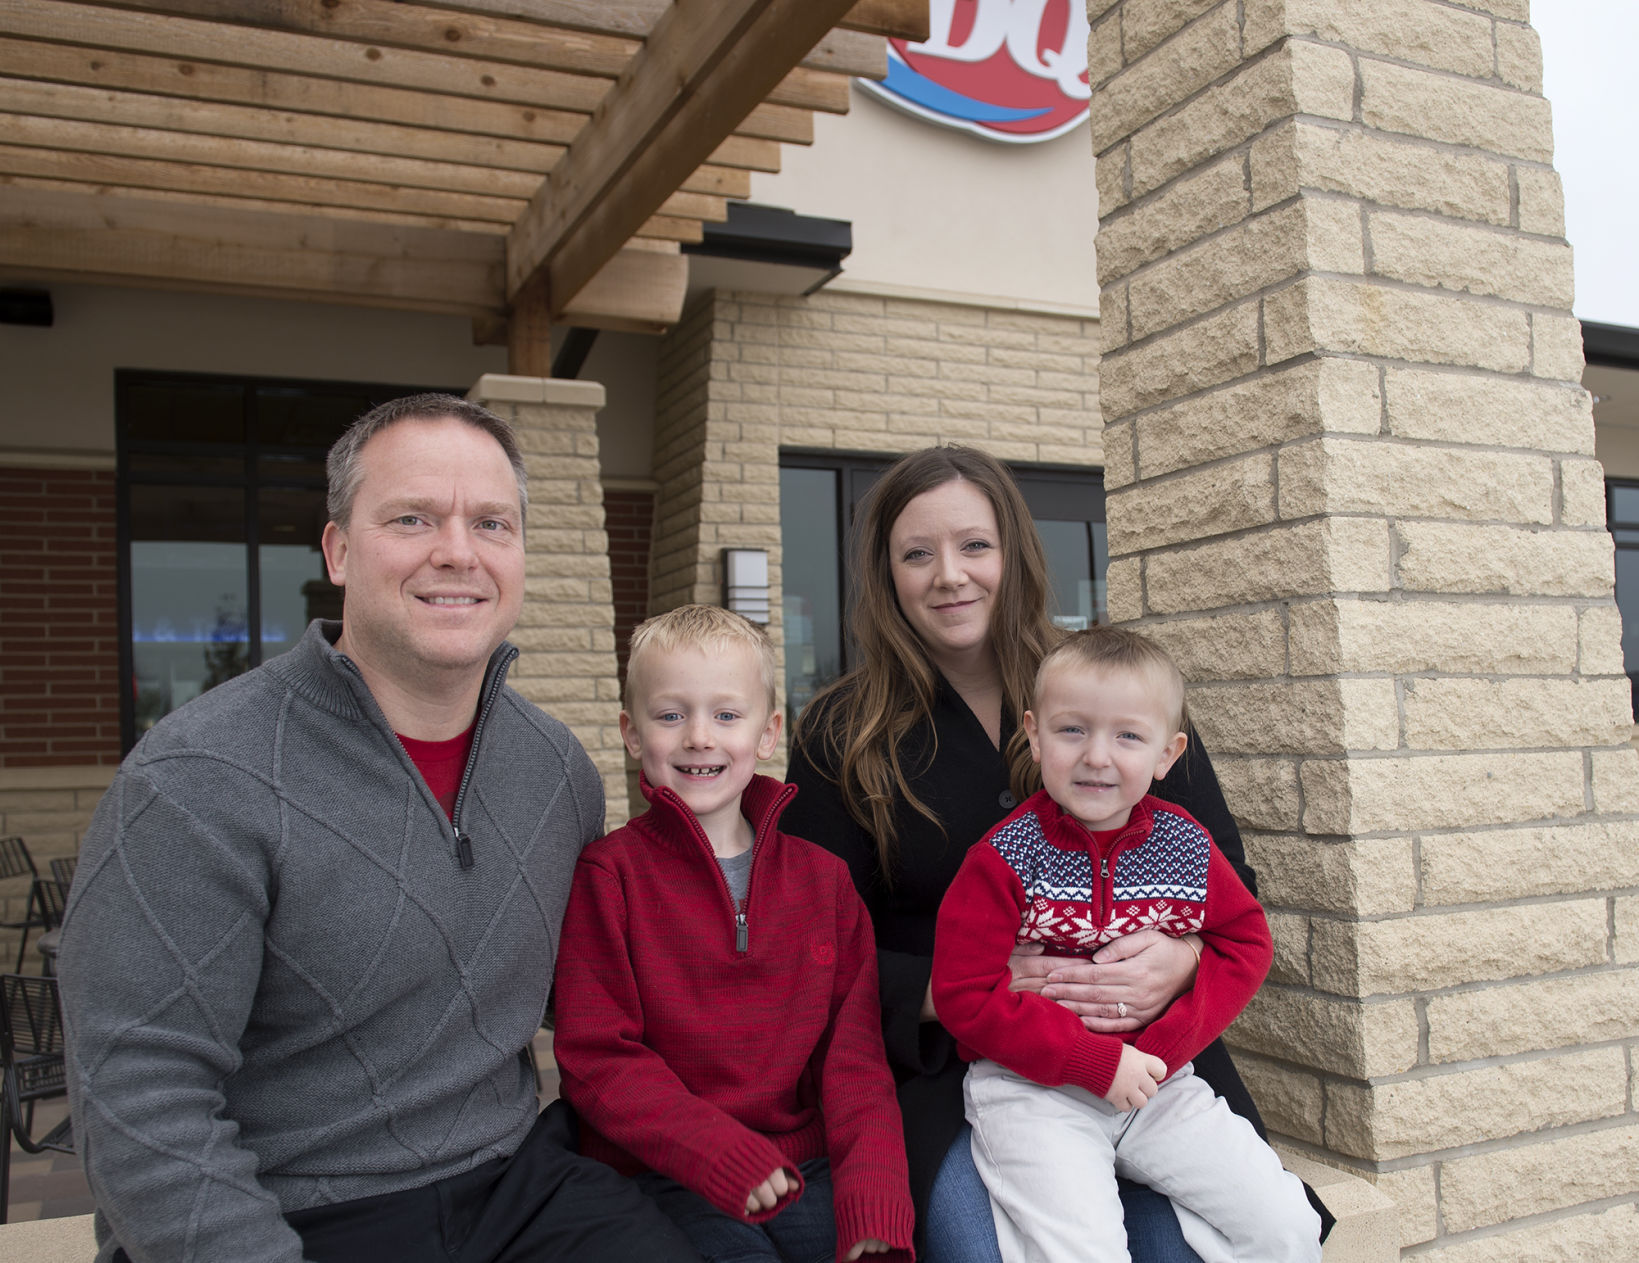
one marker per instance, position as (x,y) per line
(1009,70)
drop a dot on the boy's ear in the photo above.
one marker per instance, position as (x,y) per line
(1170,753)
(629,734)
(770,740)
(1031,732)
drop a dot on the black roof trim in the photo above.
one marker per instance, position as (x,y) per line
(772,234)
(1615,346)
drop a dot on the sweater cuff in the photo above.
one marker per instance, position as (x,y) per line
(1092,1063)
(741,1167)
(890,1219)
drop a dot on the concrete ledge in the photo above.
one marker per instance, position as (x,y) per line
(49,1241)
(1368,1223)
(1367,1228)
(30,779)
(567,392)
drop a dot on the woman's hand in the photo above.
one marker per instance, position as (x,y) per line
(1126,986)
(869,1245)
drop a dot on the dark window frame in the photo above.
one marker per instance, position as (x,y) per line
(259,469)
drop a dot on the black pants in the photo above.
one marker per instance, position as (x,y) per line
(543,1204)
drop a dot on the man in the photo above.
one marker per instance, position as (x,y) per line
(316,913)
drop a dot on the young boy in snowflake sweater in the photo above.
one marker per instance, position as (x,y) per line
(718,1026)
(1059,1111)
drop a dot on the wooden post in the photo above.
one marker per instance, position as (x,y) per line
(529,332)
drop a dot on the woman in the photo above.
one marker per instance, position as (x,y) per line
(914,755)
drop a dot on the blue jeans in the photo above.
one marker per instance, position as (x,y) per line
(804,1232)
(960,1229)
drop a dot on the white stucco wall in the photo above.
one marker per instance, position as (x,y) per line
(935,209)
(60,380)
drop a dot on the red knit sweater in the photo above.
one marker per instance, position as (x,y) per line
(1039,876)
(715,1048)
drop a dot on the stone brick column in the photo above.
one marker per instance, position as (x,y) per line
(717,465)
(716,458)
(1352,485)
(566,632)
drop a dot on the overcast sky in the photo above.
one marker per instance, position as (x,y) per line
(1590,67)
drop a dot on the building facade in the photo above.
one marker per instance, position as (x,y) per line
(1304,366)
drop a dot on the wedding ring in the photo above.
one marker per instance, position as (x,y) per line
(1121,1009)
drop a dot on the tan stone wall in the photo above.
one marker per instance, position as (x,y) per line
(1351,484)
(745,375)
(49,808)
(566,632)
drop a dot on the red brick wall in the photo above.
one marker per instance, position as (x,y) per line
(629,518)
(59,635)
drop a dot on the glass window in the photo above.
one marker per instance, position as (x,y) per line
(812,591)
(818,498)
(221,508)
(1622,512)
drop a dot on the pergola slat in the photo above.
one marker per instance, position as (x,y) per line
(521,39)
(301,54)
(907,19)
(80,188)
(235,123)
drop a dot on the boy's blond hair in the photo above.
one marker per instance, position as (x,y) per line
(1104,648)
(700,627)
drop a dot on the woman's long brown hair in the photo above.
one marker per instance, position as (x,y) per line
(863,718)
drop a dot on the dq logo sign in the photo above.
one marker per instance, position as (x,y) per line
(1013,70)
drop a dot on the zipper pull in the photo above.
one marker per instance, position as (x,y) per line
(742,932)
(463,849)
(1104,867)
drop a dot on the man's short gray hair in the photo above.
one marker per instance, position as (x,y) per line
(345,471)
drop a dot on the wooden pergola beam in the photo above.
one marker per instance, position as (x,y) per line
(705,66)
(903,19)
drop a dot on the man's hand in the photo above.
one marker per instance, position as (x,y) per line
(870,1245)
(1136,1079)
(767,1195)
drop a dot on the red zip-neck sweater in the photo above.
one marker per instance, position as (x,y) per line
(1040,876)
(715,1044)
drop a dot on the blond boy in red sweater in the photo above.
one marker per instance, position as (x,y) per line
(718,1026)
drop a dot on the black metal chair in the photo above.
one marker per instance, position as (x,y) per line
(46,898)
(16,862)
(31,1052)
(63,870)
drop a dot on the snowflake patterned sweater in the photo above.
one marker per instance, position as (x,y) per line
(713,1043)
(1041,877)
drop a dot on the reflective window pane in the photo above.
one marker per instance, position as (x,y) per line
(1075,599)
(294,586)
(1625,503)
(1627,600)
(189,607)
(809,538)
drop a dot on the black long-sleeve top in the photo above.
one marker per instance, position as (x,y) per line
(954,769)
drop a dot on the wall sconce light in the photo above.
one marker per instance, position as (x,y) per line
(745,583)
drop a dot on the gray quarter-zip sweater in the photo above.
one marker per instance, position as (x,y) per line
(283,987)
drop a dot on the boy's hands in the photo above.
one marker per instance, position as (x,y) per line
(767,1195)
(870,1245)
(1136,1079)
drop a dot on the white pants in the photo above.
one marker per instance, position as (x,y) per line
(1049,1158)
